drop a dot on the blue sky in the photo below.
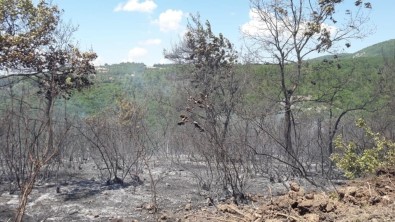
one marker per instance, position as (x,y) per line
(139,30)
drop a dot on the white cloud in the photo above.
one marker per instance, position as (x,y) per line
(256,27)
(98,61)
(164,61)
(182,33)
(151,42)
(169,20)
(136,54)
(136,5)
(252,26)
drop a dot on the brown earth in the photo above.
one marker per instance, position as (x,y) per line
(369,199)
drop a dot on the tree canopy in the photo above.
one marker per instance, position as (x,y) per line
(36,44)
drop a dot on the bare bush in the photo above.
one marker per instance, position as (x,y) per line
(214,92)
(24,144)
(117,140)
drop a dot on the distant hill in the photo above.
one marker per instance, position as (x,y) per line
(341,55)
(122,68)
(386,49)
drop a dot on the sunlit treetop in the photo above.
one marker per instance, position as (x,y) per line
(35,43)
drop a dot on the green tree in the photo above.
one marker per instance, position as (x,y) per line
(343,86)
(358,161)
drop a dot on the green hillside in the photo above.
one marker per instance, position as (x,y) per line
(386,49)
(381,49)
(137,81)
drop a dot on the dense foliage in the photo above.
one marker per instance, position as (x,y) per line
(356,160)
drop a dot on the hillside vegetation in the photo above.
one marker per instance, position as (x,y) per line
(379,50)
(357,74)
